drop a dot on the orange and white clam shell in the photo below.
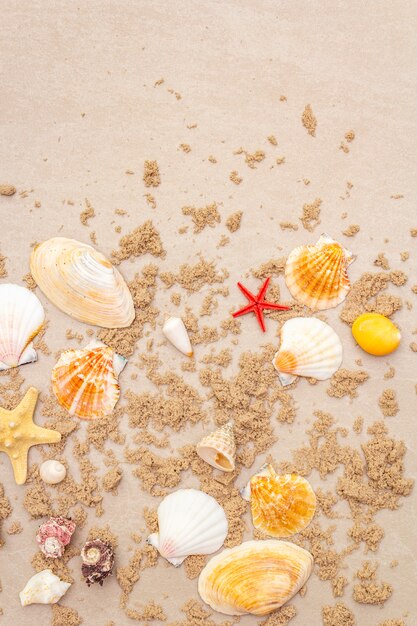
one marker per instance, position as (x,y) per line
(281,505)
(257,577)
(85,382)
(317,275)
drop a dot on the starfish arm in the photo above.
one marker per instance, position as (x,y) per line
(263,289)
(26,407)
(247,293)
(272,305)
(247,309)
(41,435)
(260,318)
(19,461)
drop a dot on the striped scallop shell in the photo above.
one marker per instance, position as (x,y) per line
(257,577)
(309,347)
(21,318)
(189,522)
(317,275)
(82,282)
(85,381)
(281,506)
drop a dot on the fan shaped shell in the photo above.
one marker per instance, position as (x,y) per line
(283,505)
(218,449)
(309,347)
(82,282)
(190,522)
(85,381)
(21,318)
(317,275)
(256,577)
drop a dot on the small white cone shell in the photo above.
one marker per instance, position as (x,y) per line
(175,331)
(190,522)
(52,472)
(309,347)
(218,449)
(21,318)
(43,588)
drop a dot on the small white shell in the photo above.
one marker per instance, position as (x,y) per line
(52,472)
(175,331)
(43,588)
(218,449)
(190,522)
(21,318)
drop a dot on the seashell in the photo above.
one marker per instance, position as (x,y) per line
(85,381)
(218,449)
(309,347)
(175,331)
(257,577)
(52,472)
(54,535)
(376,334)
(80,281)
(281,506)
(21,318)
(43,588)
(317,275)
(190,522)
(98,561)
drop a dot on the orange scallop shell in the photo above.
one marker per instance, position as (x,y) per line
(281,505)
(317,275)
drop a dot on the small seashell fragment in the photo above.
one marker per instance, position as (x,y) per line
(256,577)
(281,506)
(98,560)
(218,449)
(309,347)
(52,472)
(175,331)
(190,522)
(54,535)
(43,588)
(376,334)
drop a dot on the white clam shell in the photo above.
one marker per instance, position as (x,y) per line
(190,522)
(309,347)
(80,281)
(43,588)
(21,318)
(52,472)
(175,331)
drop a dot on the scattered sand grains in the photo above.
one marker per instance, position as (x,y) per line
(309,120)
(280,160)
(338,615)
(150,199)
(193,277)
(390,373)
(212,159)
(144,239)
(311,215)
(64,616)
(3,270)
(205,216)
(350,136)
(365,297)
(288,226)
(235,178)
(7,190)
(345,383)
(398,278)
(382,261)
(194,565)
(87,214)
(30,281)
(233,221)
(413,232)
(5,510)
(404,255)
(388,403)
(111,479)
(270,268)
(357,425)
(338,586)
(151,175)
(351,230)
(282,617)
(272,140)
(185,147)
(15,528)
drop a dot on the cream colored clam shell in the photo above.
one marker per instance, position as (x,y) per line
(257,577)
(82,282)
(43,588)
(218,449)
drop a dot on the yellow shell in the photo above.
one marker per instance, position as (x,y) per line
(316,275)
(82,282)
(85,381)
(218,448)
(376,334)
(257,577)
(281,505)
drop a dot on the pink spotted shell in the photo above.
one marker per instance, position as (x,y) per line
(54,535)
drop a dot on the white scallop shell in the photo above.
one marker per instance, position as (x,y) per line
(43,588)
(309,347)
(175,331)
(21,318)
(52,472)
(190,522)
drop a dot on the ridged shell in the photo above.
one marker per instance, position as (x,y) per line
(190,522)
(309,347)
(82,282)
(376,334)
(317,275)
(21,318)
(85,381)
(43,588)
(256,577)
(218,449)
(281,506)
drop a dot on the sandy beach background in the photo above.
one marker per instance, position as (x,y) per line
(79,108)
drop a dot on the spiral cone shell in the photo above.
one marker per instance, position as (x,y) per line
(218,448)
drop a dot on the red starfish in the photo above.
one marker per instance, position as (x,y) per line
(257,304)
